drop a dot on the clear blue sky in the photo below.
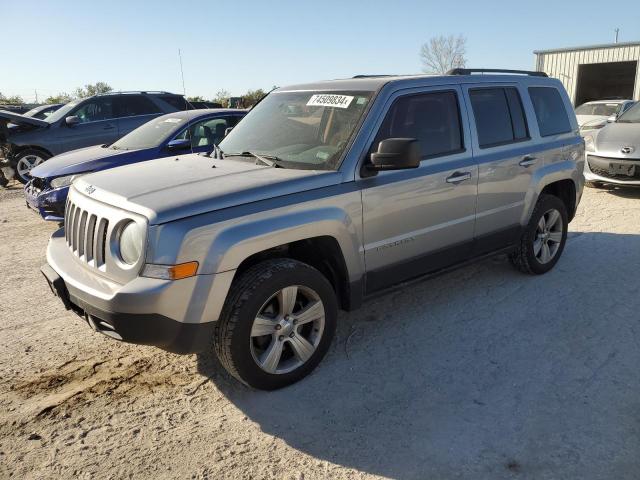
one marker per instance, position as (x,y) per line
(55,46)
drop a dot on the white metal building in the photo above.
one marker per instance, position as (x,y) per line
(594,72)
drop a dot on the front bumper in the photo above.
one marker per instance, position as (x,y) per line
(48,203)
(596,169)
(178,316)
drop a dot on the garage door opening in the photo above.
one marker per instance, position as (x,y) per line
(600,81)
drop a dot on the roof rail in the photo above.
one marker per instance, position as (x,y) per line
(469,71)
(372,76)
(135,91)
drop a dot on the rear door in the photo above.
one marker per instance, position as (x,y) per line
(507,158)
(133,110)
(97,124)
(420,220)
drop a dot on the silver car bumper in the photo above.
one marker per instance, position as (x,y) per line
(170,314)
(600,175)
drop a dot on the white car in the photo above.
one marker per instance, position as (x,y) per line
(595,115)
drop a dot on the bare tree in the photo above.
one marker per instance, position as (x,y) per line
(441,54)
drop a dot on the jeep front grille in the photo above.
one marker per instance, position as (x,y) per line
(86,234)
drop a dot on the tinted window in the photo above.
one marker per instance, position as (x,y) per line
(132,105)
(176,102)
(518,121)
(96,109)
(432,118)
(550,112)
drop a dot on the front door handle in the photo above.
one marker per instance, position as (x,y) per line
(527,161)
(109,126)
(458,177)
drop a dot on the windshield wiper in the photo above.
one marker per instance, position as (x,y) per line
(269,160)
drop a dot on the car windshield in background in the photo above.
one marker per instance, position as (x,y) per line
(62,112)
(600,109)
(149,135)
(306,130)
(630,116)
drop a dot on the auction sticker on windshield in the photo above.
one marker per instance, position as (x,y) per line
(325,100)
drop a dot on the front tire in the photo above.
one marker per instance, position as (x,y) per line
(543,240)
(26,160)
(277,324)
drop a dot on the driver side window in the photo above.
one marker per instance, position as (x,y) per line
(431,118)
(95,110)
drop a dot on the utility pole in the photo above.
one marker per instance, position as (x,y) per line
(36,91)
(617,30)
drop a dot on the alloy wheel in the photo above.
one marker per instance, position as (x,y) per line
(548,237)
(26,164)
(287,330)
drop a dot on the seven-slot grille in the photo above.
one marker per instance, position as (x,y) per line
(86,234)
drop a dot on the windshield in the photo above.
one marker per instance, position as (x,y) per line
(631,116)
(151,134)
(307,130)
(61,112)
(600,109)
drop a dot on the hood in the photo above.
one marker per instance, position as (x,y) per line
(587,119)
(617,135)
(594,123)
(16,118)
(171,188)
(84,160)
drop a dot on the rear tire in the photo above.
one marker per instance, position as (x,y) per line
(277,324)
(543,240)
(26,160)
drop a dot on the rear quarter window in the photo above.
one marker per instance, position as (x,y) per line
(499,116)
(550,111)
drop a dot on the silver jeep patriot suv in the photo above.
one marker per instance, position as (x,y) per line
(323,195)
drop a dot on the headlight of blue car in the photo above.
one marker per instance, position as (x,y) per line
(65,181)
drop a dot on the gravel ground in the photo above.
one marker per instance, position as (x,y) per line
(479,373)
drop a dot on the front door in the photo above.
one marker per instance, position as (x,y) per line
(96,126)
(421,220)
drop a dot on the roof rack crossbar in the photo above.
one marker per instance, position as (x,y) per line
(469,71)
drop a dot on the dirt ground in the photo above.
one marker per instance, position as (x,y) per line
(480,373)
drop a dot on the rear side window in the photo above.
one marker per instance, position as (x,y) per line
(499,116)
(550,112)
(432,118)
(132,105)
(176,101)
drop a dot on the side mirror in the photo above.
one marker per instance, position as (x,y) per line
(179,144)
(72,120)
(227,130)
(396,154)
(612,118)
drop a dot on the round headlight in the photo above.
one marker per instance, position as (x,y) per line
(131,238)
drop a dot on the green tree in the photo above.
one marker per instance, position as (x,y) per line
(62,97)
(89,90)
(196,99)
(14,100)
(222,97)
(252,97)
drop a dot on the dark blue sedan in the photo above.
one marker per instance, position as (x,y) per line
(171,134)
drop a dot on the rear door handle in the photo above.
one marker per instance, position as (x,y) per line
(527,161)
(458,177)
(109,126)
